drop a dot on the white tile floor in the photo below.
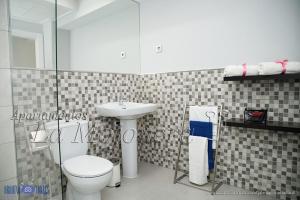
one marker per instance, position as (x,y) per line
(155,183)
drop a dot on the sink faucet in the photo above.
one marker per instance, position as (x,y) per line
(122,99)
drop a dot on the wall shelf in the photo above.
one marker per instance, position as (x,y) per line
(264,77)
(271,125)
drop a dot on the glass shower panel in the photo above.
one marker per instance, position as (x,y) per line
(98,57)
(34,95)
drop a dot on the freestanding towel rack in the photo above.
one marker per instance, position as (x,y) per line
(214,185)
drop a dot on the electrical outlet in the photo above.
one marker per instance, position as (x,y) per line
(158,48)
(123,55)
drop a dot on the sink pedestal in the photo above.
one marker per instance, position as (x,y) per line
(128,113)
(129,147)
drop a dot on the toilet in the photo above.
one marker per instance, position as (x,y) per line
(87,175)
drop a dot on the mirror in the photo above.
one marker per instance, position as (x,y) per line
(92,35)
(24,51)
(33,31)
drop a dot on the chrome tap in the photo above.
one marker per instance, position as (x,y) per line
(122,99)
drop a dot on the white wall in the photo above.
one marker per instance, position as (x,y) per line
(49,44)
(87,6)
(97,46)
(46,34)
(63,49)
(23,52)
(26,26)
(197,34)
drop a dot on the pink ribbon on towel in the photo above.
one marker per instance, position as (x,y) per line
(244,69)
(283,65)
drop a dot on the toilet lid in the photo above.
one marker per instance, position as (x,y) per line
(87,166)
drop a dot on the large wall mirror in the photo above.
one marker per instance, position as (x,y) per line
(92,35)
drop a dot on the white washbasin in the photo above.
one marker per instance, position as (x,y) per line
(128,110)
(128,113)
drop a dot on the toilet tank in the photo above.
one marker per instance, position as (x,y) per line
(73,139)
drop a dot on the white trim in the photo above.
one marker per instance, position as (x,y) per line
(39,45)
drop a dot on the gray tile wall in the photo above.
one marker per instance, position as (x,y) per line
(80,91)
(256,160)
(34,92)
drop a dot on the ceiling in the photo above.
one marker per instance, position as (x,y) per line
(36,11)
(71,13)
(93,10)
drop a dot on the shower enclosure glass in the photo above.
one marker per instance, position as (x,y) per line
(34,95)
(58,58)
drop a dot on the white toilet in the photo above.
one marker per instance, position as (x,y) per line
(87,175)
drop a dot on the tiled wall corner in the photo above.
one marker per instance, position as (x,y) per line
(8,172)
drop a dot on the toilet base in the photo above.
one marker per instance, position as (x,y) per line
(72,194)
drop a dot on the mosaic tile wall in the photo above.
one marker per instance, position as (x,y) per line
(34,91)
(80,91)
(256,160)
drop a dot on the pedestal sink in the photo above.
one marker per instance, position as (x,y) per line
(128,113)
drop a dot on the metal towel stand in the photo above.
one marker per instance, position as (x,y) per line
(215,185)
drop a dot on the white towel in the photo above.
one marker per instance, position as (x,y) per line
(198,160)
(202,113)
(269,68)
(237,70)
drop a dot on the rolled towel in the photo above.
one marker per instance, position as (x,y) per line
(241,70)
(279,67)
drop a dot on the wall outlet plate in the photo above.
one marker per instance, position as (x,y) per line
(123,54)
(158,48)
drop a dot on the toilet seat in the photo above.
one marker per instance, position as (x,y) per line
(87,166)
